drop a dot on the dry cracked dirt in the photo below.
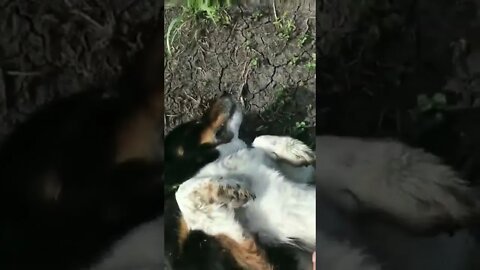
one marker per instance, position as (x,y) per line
(51,49)
(267,60)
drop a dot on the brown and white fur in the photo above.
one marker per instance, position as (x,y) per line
(394,202)
(381,204)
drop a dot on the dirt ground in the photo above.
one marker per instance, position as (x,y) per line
(50,49)
(269,66)
(403,69)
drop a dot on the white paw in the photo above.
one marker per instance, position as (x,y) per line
(232,193)
(288,149)
(229,192)
(208,204)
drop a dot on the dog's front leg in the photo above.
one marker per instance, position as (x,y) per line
(296,159)
(287,149)
(208,204)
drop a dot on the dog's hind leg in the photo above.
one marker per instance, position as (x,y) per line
(287,149)
(208,204)
(296,158)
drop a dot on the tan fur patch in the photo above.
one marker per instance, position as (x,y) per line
(247,254)
(138,138)
(207,136)
(183,232)
(214,193)
(218,119)
(207,194)
(140,134)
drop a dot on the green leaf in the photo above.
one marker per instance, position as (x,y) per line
(440,100)
(424,103)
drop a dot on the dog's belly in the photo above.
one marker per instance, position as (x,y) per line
(283,211)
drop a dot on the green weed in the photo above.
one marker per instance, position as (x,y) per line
(212,10)
(437,102)
(294,61)
(254,62)
(310,65)
(304,39)
(257,15)
(285,26)
(299,128)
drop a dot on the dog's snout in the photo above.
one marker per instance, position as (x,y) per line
(225,104)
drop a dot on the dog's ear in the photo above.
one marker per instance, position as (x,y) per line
(216,119)
(140,88)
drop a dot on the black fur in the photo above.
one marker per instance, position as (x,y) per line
(203,252)
(69,147)
(200,251)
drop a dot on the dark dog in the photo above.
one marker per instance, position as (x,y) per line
(83,171)
(188,148)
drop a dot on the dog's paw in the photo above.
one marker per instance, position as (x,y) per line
(208,204)
(223,191)
(287,149)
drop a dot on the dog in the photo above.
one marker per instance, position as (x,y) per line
(189,149)
(200,144)
(396,206)
(83,172)
(359,225)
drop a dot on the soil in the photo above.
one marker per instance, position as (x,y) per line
(382,62)
(50,49)
(246,54)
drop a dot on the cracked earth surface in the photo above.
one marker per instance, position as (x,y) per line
(379,59)
(50,49)
(271,75)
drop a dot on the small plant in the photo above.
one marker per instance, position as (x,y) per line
(299,130)
(254,62)
(437,102)
(257,15)
(300,127)
(213,10)
(209,8)
(285,26)
(310,65)
(172,31)
(294,60)
(304,39)
(281,97)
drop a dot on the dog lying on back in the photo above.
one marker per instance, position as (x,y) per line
(382,204)
(82,172)
(193,147)
(396,205)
